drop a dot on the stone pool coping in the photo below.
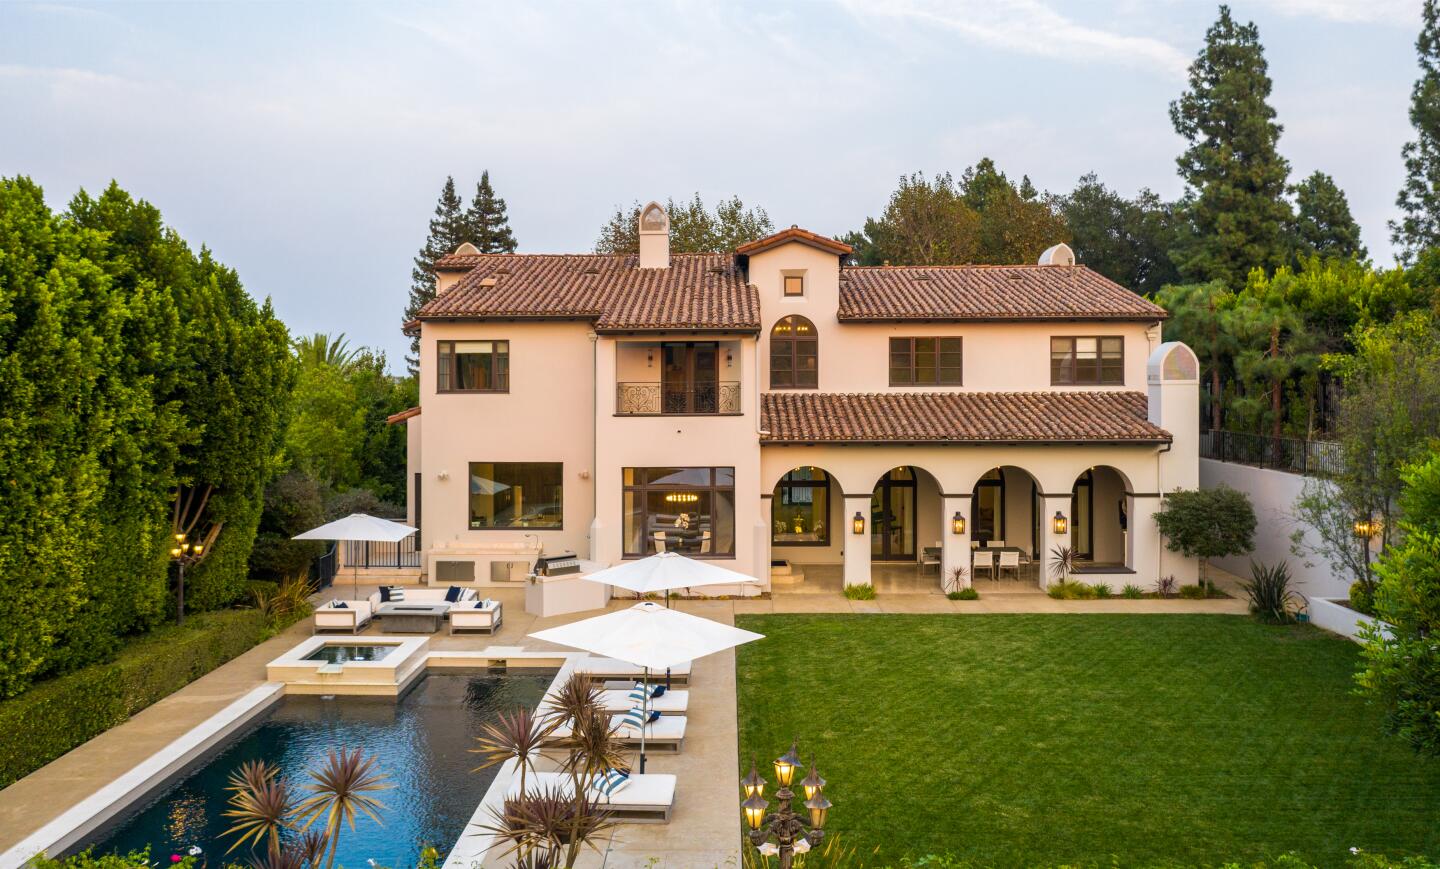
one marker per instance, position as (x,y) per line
(154,771)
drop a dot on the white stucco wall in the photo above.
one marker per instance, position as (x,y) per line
(1273,494)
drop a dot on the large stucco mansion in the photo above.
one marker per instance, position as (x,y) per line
(774,408)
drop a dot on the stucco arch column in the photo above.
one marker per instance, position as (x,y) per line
(857,546)
(762,540)
(1049,539)
(955,548)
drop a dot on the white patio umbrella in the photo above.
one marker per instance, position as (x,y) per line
(648,636)
(359,526)
(664,571)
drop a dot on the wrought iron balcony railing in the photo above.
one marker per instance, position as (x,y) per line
(658,399)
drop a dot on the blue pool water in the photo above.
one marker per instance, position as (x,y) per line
(422,742)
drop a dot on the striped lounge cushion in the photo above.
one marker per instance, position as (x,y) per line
(638,692)
(608,783)
(397,593)
(634,719)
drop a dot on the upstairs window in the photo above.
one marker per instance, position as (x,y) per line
(1076,361)
(794,354)
(926,361)
(473,366)
(794,285)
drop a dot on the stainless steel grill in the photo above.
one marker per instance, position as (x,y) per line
(557,565)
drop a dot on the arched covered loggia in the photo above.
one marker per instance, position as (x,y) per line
(1006,509)
(1100,506)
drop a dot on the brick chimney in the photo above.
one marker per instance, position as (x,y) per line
(654,237)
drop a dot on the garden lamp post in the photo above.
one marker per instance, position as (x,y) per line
(183,553)
(790,831)
(1365,529)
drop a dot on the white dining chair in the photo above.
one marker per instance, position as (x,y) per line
(983,561)
(1009,560)
(996,544)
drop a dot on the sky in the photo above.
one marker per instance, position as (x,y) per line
(306,143)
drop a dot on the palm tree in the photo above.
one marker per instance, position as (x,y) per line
(340,790)
(322,349)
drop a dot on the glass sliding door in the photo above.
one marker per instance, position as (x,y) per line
(690,380)
(892,517)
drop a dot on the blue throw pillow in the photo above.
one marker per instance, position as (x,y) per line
(654,715)
(657,691)
(384,594)
(453,594)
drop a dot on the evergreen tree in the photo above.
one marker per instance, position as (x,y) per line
(487,226)
(448,229)
(1126,240)
(1419,199)
(1234,175)
(1324,226)
(694,228)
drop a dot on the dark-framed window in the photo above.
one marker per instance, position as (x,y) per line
(800,509)
(794,354)
(794,285)
(473,366)
(516,495)
(1077,360)
(926,361)
(685,510)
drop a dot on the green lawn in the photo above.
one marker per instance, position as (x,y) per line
(1042,739)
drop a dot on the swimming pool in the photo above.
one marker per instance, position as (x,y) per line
(422,743)
(343,653)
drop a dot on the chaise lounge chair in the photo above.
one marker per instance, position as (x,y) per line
(604,669)
(666,733)
(645,799)
(619,700)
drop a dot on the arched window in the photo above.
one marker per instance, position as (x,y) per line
(794,354)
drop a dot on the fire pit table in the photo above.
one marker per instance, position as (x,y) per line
(411,618)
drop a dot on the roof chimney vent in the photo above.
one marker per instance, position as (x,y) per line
(467,249)
(654,237)
(1058,255)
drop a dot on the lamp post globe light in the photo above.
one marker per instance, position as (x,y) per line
(783,832)
(183,553)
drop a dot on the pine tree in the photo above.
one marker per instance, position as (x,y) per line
(1235,178)
(488,227)
(1323,224)
(1419,199)
(448,228)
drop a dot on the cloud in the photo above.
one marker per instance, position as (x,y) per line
(1404,13)
(1029,27)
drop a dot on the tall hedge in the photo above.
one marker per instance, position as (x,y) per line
(131,367)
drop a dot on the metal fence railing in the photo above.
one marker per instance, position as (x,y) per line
(1296,455)
(325,567)
(372,553)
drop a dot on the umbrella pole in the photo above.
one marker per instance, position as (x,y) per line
(644,716)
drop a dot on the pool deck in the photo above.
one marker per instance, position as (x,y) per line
(705,828)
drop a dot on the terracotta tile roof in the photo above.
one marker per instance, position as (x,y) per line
(402,415)
(698,291)
(458,262)
(957,417)
(987,293)
(794,233)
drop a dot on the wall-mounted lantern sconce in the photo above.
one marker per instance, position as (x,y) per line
(1062,524)
(857,524)
(957,524)
(729,358)
(650,358)
(443,475)
(1367,527)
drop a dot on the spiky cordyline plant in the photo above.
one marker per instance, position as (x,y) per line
(260,806)
(340,790)
(1062,564)
(518,737)
(548,824)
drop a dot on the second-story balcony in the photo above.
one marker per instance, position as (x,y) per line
(655,398)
